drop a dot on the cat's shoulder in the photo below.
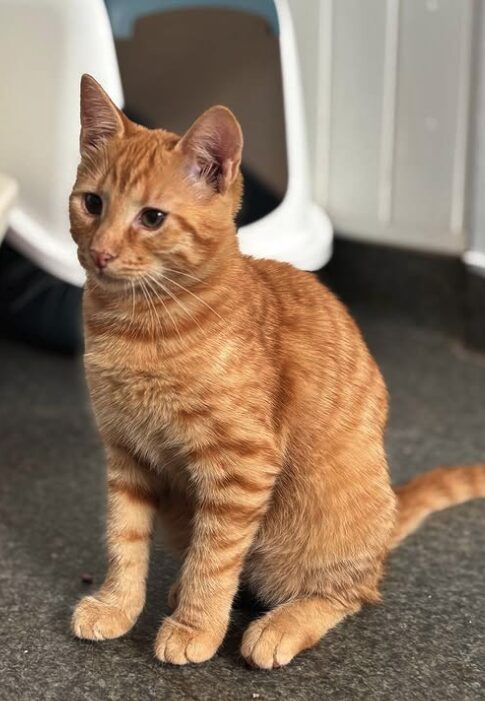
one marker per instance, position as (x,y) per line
(289,281)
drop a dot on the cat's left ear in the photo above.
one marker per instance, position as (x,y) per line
(100,118)
(213,148)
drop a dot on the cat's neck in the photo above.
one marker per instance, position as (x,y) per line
(167,307)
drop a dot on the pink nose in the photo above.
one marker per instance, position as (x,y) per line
(101,258)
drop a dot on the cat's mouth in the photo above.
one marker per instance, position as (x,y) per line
(109,278)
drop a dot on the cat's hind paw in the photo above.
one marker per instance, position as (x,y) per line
(267,644)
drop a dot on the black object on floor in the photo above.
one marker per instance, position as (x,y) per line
(37,307)
(425,641)
(475,309)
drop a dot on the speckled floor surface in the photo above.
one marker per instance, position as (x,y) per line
(426,641)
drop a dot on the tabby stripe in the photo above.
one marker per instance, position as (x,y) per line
(189,624)
(475,477)
(120,562)
(185,323)
(236,514)
(135,493)
(145,329)
(129,536)
(187,226)
(129,331)
(222,568)
(241,449)
(264,452)
(192,413)
(243,483)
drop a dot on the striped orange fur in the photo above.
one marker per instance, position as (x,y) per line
(434,491)
(237,401)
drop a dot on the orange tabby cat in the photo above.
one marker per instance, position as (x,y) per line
(236,401)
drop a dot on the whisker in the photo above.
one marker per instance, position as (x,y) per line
(155,320)
(146,299)
(133,311)
(180,272)
(158,296)
(199,299)
(133,308)
(177,301)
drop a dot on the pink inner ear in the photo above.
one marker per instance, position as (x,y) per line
(213,146)
(100,118)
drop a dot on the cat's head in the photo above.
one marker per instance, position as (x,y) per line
(146,201)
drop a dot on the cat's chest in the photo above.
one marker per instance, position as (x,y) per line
(139,408)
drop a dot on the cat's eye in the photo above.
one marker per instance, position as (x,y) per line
(93,203)
(152,218)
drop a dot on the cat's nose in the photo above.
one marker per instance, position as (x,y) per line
(101,258)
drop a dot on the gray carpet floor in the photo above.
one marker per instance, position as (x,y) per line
(426,641)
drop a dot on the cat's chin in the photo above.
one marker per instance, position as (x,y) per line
(107,280)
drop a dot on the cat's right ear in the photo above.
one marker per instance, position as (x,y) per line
(100,118)
(212,148)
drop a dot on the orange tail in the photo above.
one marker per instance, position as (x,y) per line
(434,491)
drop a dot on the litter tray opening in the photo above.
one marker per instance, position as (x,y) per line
(177,63)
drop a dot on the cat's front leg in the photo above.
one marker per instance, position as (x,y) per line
(132,505)
(233,491)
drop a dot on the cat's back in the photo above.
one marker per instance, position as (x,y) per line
(305,305)
(319,347)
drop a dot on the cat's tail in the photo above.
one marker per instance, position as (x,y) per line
(434,491)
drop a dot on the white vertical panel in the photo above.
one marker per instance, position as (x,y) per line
(475,255)
(356,106)
(389,104)
(428,95)
(393,119)
(463,126)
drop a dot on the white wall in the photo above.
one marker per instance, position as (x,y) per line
(475,255)
(388,97)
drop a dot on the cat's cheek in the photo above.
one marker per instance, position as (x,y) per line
(81,257)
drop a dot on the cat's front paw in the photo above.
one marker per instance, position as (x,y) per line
(95,620)
(179,643)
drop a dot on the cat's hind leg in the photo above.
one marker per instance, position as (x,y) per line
(274,639)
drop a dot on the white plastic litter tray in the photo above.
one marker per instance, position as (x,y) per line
(45,46)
